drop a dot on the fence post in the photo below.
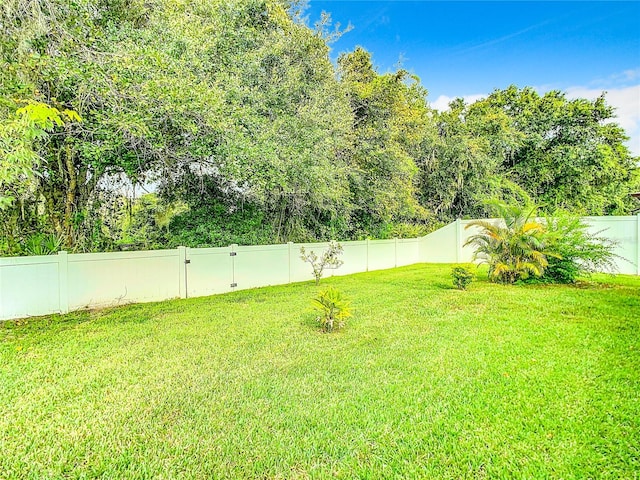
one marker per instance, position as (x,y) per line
(234,283)
(395,252)
(367,245)
(290,245)
(638,244)
(63,281)
(458,240)
(182,272)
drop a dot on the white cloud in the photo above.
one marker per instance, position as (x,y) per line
(631,75)
(442,102)
(626,102)
(620,79)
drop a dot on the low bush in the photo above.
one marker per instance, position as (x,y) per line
(333,307)
(462,276)
(557,249)
(43,244)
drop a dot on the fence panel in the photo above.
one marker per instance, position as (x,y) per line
(49,284)
(354,257)
(101,279)
(382,254)
(440,246)
(261,265)
(29,286)
(209,271)
(624,231)
(408,251)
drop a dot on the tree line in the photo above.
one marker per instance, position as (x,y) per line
(234,118)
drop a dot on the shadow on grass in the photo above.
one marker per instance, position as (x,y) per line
(51,323)
(112,315)
(310,321)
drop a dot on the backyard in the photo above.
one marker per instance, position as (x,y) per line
(425,381)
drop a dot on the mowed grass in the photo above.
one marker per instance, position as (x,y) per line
(425,382)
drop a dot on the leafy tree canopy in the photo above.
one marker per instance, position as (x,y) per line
(234,114)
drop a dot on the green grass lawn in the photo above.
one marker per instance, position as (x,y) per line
(424,382)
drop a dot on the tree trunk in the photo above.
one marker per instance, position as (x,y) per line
(70,197)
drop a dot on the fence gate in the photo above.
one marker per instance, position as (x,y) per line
(208,271)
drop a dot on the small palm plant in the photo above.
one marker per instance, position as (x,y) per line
(43,244)
(334,309)
(514,250)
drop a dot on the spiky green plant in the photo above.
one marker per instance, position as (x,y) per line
(333,307)
(514,248)
(578,251)
(43,244)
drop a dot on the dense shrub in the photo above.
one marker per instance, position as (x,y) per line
(557,249)
(214,225)
(576,251)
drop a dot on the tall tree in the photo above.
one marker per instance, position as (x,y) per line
(237,96)
(572,153)
(390,116)
(518,146)
(69,55)
(286,126)
(463,162)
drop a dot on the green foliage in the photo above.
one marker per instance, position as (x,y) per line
(235,109)
(577,251)
(145,225)
(520,147)
(557,250)
(248,101)
(19,137)
(217,225)
(569,154)
(462,277)
(408,230)
(463,164)
(390,117)
(333,309)
(515,247)
(41,244)
(328,259)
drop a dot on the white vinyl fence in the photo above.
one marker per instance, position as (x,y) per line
(42,285)
(447,245)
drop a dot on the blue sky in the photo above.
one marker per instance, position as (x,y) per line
(470,48)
